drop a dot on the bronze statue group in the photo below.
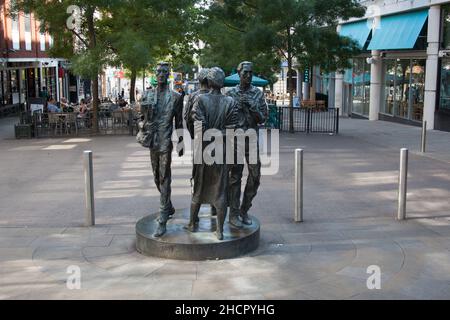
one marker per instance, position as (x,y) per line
(217,184)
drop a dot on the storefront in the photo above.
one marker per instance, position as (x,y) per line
(20,80)
(404,88)
(360,87)
(443,110)
(388,79)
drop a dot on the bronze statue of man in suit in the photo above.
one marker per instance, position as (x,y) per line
(160,106)
(253,105)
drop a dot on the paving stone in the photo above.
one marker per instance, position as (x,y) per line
(172,271)
(14,242)
(65,240)
(349,211)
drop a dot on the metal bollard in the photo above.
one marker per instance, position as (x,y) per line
(89,189)
(298,211)
(402,184)
(424,137)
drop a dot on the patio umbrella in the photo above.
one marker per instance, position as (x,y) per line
(234,80)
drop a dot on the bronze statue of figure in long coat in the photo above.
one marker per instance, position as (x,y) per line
(193,97)
(212,110)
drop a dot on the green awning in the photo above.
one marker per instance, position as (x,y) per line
(234,80)
(358,31)
(398,31)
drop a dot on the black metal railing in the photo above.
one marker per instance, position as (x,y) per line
(307,120)
(44,125)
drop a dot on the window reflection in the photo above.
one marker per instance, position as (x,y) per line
(444,102)
(361,86)
(404,88)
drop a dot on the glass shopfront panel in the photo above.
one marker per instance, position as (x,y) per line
(361,87)
(404,88)
(446,27)
(389,91)
(15,94)
(23,86)
(444,101)
(417,89)
(403,71)
(50,81)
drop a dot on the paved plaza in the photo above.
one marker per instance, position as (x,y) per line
(349,210)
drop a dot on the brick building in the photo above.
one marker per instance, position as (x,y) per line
(25,66)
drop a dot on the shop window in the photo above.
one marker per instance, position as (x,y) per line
(444,101)
(404,88)
(446,27)
(50,81)
(2,89)
(361,86)
(293,83)
(14,82)
(6,88)
(23,85)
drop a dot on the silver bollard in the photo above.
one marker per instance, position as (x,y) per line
(298,211)
(424,137)
(402,184)
(89,189)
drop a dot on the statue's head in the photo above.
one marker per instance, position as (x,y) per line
(245,71)
(162,72)
(203,76)
(216,78)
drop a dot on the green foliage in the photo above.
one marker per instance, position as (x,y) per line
(227,47)
(279,30)
(132,33)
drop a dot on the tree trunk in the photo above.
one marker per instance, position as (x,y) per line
(92,45)
(312,93)
(133,85)
(143,80)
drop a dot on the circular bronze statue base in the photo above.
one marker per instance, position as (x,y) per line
(178,243)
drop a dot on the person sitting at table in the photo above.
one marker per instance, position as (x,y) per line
(83,109)
(65,105)
(52,107)
(122,103)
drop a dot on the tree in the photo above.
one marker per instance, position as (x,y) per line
(140,32)
(225,47)
(75,26)
(304,30)
(95,33)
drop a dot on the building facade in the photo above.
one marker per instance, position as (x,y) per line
(403,72)
(25,66)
